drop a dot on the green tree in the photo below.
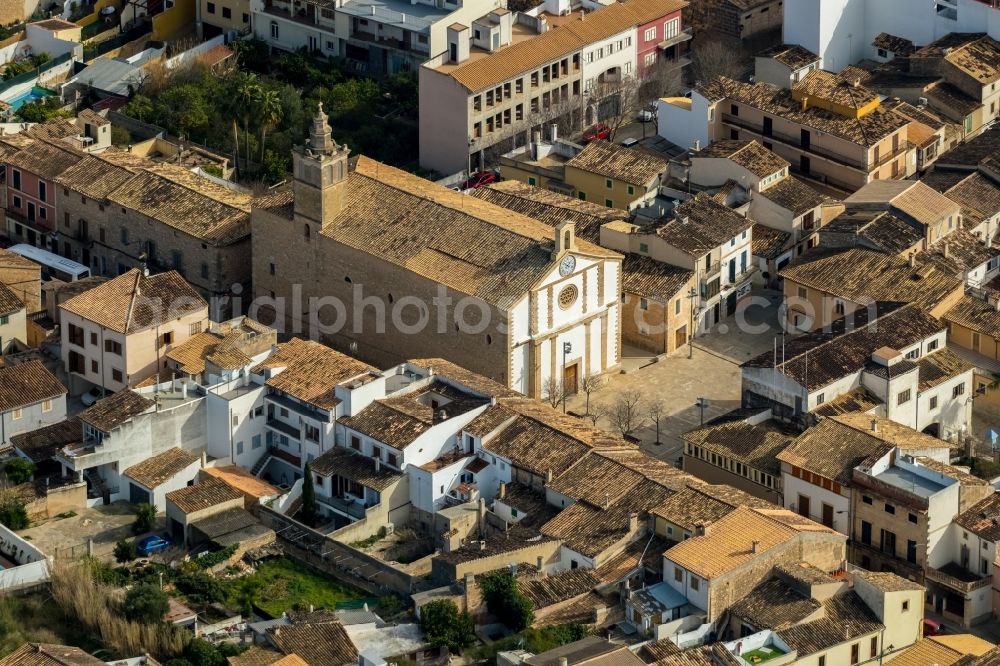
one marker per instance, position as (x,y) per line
(308,497)
(202,653)
(13,515)
(186,110)
(145,516)
(19,470)
(201,588)
(247,590)
(268,114)
(246,89)
(124,551)
(140,108)
(506,601)
(443,625)
(146,603)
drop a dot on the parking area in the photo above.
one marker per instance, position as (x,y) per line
(68,538)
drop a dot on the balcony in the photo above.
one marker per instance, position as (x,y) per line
(684,35)
(957,578)
(283,428)
(345,506)
(793,142)
(389,42)
(300,13)
(710,289)
(297,408)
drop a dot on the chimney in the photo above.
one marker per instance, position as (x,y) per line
(204,459)
(548,476)
(482,545)
(502,493)
(555,133)
(365,606)
(312,608)
(184,390)
(378,464)
(633,522)
(913,260)
(945,250)
(874,425)
(755,546)
(536,138)
(540,565)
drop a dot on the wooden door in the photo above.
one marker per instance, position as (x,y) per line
(570,379)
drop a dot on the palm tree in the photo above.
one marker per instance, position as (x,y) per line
(246,88)
(270,113)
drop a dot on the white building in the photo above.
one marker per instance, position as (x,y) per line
(841,32)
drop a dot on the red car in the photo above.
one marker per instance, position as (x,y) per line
(479,179)
(932,627)
(599,132)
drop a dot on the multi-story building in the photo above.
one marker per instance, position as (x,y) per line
(13,320)
(703,236)
(661,43)
(842,32)
(895,364)
(828,128)
(931,214)
(119,333)
(23,277)
(526,305)
(218,17)
(375,37)
(479,94)
(784,65)
(30,398)
(743,18)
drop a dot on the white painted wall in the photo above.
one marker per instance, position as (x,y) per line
(793,486)
(685,126)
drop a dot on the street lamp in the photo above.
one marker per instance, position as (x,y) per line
(566,349)
(701,404)
(692,295)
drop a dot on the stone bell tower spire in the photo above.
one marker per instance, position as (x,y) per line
(320,173)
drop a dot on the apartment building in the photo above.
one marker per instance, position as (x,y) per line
(842,32)
(119,333)
(784,65)
(828,128)
(547,301)
(904,508)
(703,236)
(894,363)
(375,37)
(13,320)
(479,94)
(31,397)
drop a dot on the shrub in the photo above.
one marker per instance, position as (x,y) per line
(19,470)
(506,601)
(201,588)
(443,625)
(202,653)
(146,603)
(13,515)
(145,516)
(125,551)
(209,560)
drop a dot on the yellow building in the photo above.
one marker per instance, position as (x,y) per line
(215,17)
(614,176)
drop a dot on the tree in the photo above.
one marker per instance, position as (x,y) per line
(140,108)
(125,551)
(444,626)
(13,514)
(19,470)
(308,497)
(625,413)
(616,101)
(269,113)
(662,79)
(200,652)
(505,600)
(145,516)
(146,603)
(246,89)
(552,391)
(655,411)
(201,588)
(597,413)
(713,58)
(589,384)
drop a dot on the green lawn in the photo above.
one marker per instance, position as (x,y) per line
(774,653)
(285,585)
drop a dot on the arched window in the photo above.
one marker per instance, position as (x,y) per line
(566,239)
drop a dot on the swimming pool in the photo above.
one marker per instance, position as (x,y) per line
(32,95)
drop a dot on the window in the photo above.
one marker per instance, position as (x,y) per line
(113,347)
(903,397)
(582,196)
(41,191)
(677,306)
(912,518)
(124,236)
(838,306)
(643,247)
(874,646)
(17,179)
(311,433)
(17,202)
(821,398)
(391,459)
(17,413)
(274,30)
(906,606)
(890,509)
(93,339)
(608,183)
(239,448)
(168,337)
(803,292)
(631,190)
(958,390)
(117,375)
(246,17)
(643,304)
(911,551)
(882,53)
(355,442)
(984,566)
(695,583)
(177,259)
(255,442)
(932,404)
(931,346)
(211,8)
(227,12)
(855,653)
(609,203)
(678,574)
(821,661)
(866,533)
(531,180)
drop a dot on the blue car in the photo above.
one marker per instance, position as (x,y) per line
(153,544)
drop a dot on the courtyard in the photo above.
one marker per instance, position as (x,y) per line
(68,538)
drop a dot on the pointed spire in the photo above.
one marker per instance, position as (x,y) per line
(320,134)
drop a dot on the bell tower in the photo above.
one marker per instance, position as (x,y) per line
(319,174)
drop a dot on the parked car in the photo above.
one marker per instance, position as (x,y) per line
(646,115)
(153,544)
(91,396)
(599,132)
(933,627)
(479,179)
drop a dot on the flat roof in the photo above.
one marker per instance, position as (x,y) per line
(906,480)
(416,16)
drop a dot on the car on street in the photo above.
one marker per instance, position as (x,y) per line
(933,627)
(154,543)
(479,179)
(91,396)
(599,132)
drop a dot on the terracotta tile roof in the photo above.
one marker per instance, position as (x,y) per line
(769,243)
(750,155)
(773,605)
(356,467)
(187,202)
(152,472)
(550,207)
(794,195)
(887,581)
(863,276)
(644,552)
(889,431)
(190,355)
(924,652)
(647,277)
(96,176)
(941,366)
(753,445)
(692,507)
(242,480)
(952,472)
(611,160)
(951,99)
(569,37)
(42,444)
(898,46)
(701,224)
(559,587)
(318,644)
(45,159)
(255,656)
(728,543)
(964,643)
(859,400)
(792,56)
(803,573)
(975,54)
(207,493)
(977,315)
(979,197)
(46,654)
(971,153)
(470,380)
(26,384)
(58,24)
(110,412)
(658,650)
(619,475)
(312,371)
(910,197)
(9,302)
(965,252)
(846,618)
(886,231)
(135,302)
(833,449)
(818,358)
